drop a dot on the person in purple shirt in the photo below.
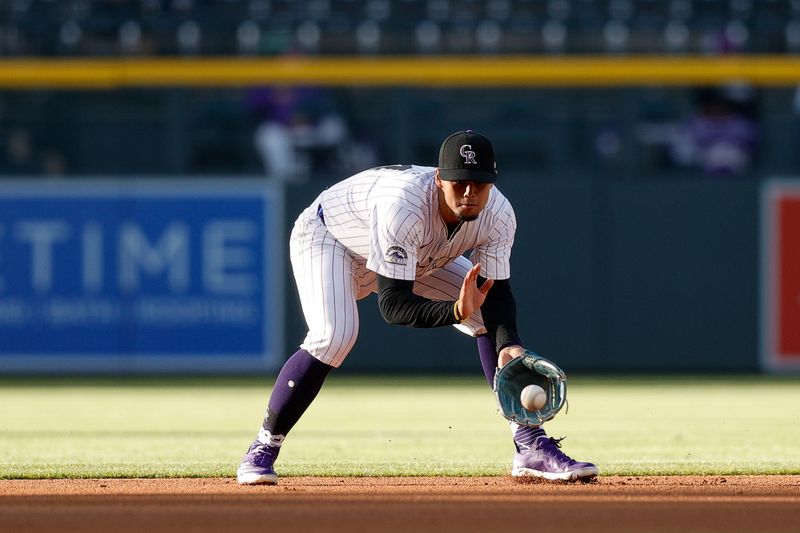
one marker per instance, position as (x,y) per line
(718,138)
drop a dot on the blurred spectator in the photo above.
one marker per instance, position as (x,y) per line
(608,145)
(53,163)
(18,157)
(300,132)
(720,137)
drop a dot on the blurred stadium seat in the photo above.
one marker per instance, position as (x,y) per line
(200,129)
(269,27)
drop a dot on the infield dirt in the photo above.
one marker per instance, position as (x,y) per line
(682,504)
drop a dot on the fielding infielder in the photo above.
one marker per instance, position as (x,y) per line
(401,231)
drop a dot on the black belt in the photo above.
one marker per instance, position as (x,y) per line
(320,214)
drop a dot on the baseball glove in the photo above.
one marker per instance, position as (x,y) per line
(529,368)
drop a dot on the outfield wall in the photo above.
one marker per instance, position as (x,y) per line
(621,275)
(610,275)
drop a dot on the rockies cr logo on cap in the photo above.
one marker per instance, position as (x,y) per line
(468,155)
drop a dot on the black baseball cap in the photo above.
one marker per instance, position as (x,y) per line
(466,155)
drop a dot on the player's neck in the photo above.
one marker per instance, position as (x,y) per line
(452,228)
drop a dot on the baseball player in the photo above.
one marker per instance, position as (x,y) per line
(401,231)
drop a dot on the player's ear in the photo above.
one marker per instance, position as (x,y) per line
(437,179)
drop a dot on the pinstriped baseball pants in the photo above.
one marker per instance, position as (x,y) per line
(330,279)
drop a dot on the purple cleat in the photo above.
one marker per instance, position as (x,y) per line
(256,466)
(545,460)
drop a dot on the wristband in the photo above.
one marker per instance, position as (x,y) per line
(458,317)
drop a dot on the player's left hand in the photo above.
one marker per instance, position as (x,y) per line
(471,297)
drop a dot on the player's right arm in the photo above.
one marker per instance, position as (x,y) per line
(399,304)
(397,229)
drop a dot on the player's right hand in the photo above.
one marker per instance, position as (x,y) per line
(471,297)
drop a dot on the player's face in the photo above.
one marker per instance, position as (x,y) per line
(462,200)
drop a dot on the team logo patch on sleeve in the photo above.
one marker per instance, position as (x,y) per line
(396,255)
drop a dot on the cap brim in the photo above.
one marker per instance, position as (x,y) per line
(465,174)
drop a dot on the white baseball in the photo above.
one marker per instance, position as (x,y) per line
(533,397)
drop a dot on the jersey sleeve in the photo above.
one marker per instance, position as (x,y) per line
(494,253)
(395,236)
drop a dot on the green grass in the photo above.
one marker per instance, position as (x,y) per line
(56,428)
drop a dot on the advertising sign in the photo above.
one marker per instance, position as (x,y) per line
(780,283)
(140,275)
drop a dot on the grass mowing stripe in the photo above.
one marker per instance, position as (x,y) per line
(136,427)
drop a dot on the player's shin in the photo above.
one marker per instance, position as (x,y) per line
(488,355)
(296,386)
(298,383)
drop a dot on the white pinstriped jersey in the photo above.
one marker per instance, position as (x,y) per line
(389,217)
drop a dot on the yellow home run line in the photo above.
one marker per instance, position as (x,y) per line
(450,71)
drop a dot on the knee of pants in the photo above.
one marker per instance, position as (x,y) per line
(330,347)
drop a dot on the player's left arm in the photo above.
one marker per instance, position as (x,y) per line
(499,310)
(499,313)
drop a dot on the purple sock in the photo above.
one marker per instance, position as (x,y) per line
(524,436)
(488,355)
(298,383)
